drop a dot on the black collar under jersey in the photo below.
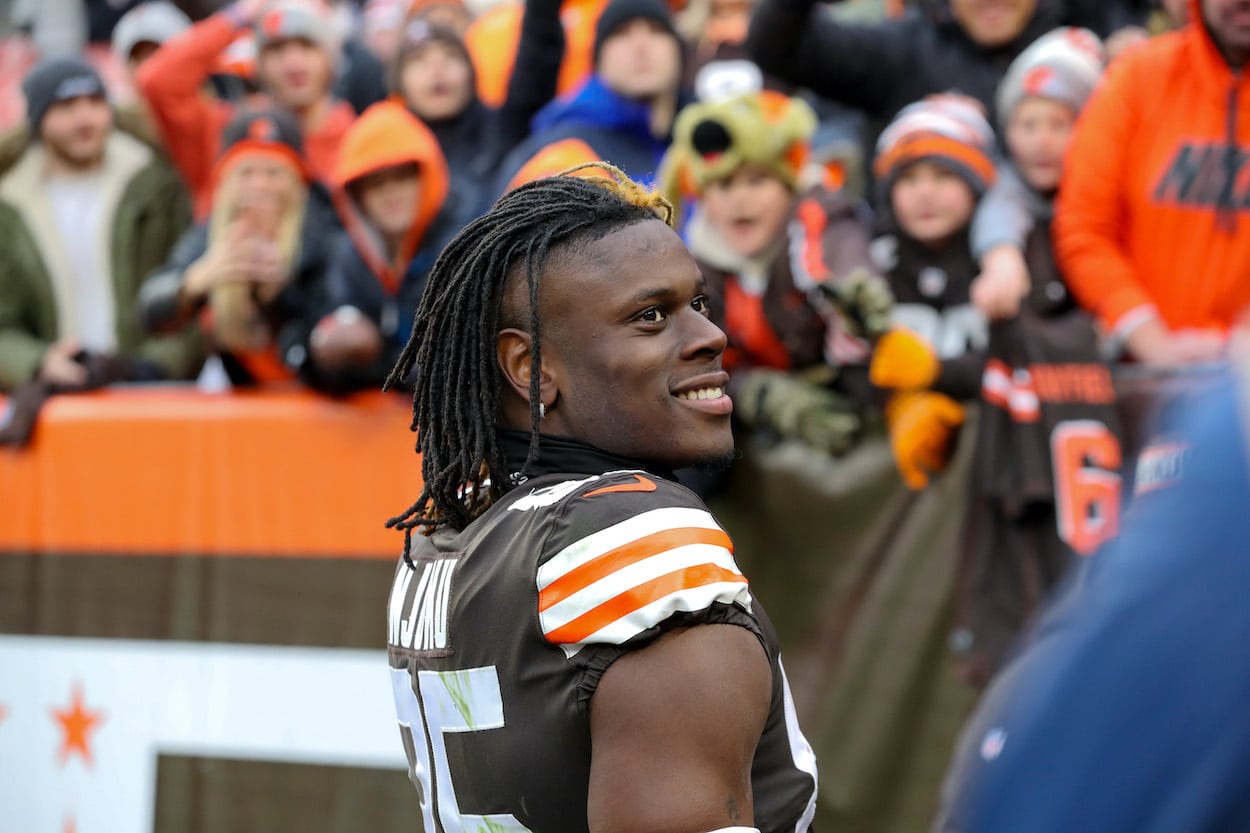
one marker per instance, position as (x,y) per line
(562,455)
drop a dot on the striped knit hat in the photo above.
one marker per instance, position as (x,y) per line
(1063,65)
(948,129)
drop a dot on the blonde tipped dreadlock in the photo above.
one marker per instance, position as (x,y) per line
(450,358)
(618,182)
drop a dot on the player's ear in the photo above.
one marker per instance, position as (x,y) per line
(514,352)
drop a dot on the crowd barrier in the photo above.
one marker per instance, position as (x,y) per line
(192,594)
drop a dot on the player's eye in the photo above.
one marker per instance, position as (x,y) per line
(652,315)
(700,305)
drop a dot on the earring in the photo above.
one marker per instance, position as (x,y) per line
(542,411)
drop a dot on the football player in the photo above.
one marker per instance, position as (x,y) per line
(572,646)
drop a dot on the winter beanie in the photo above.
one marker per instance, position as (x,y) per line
(297,20)
(268,131)
(154,22)
(948,129)
(712,139)
(58,79)
(619,12)
(1063,65)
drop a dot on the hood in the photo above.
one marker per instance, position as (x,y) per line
(384,136)
(596,105)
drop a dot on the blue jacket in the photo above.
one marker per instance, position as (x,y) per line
(616,128)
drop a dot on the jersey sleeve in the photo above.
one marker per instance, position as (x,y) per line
(631,555)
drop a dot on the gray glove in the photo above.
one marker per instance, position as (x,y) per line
(864,301)
(797,409)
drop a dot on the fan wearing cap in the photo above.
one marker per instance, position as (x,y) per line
(297,53)
(625,110)
(86,211)
(434,75)
(390,190)
(253,274)
(1041,96)
(136,37)
(933,164)
(785,260)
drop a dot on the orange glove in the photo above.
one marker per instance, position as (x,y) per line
(903,360)
(923,427)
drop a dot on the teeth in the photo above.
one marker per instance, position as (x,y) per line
(702,393)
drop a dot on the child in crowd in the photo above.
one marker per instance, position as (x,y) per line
(787,267)
(252,273)
(391,192)
(433,74)
(1039,100)
(933,164)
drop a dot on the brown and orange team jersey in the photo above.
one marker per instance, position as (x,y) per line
(1154,214)
(499,635)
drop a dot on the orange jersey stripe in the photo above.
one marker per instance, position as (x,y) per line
(638,597)
(623,556)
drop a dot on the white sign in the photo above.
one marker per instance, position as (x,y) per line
(83,720)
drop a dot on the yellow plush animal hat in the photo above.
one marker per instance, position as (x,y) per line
(712,139)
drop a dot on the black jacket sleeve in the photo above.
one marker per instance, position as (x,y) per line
(158,297)
(535,73)
(864,66)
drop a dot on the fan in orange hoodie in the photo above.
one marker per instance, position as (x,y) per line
(390,188)
(1150,227)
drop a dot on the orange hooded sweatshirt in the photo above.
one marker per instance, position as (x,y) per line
(190,120)
(387,135)
(1153,217)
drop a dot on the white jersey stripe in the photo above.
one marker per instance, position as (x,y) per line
(647,617)
(631,529)
(631,576)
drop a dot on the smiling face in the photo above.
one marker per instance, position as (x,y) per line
(631,363)
(748,208)
(1037,136)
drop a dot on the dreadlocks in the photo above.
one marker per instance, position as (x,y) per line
(452,347)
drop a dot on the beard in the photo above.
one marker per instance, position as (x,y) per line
(715,463)
(81,154)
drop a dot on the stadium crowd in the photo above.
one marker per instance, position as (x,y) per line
(899,208)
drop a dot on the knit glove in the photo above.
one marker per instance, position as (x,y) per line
(923,427)
(795,408)
(864,301)
(903,361)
